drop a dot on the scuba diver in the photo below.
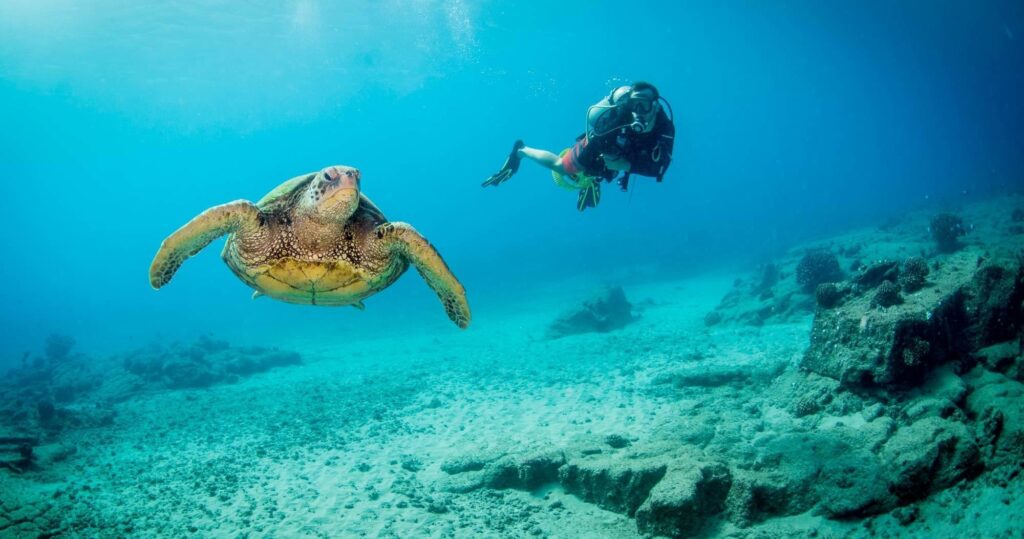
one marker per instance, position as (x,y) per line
(627,132)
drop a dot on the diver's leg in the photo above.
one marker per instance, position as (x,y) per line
(544,158)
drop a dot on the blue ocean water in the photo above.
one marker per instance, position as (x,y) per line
(122,120)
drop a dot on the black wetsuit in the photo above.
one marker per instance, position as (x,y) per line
(649,154)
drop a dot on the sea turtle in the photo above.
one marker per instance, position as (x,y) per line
(315,240)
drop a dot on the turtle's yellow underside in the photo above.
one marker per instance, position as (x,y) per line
(315,283)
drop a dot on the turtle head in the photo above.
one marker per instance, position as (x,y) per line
(333,195)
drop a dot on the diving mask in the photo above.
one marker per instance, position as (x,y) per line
(643,107)
(643,114)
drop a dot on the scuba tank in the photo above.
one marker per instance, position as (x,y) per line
(609,114)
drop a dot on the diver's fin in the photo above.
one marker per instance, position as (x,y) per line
(359,305)
(257,294)
(510,167)
(589,197)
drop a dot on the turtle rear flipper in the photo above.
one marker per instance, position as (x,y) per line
(197,234)
(403,238)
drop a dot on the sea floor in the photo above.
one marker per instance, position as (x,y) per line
(356,441)
(351,442)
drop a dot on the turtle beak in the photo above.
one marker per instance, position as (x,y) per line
(341,197)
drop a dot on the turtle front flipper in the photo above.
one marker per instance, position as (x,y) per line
(198,233)
(404,239)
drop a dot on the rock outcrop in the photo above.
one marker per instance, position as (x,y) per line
(867,344)
(606,312)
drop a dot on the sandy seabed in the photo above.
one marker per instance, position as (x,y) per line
(395,437)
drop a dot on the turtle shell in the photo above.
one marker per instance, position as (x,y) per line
(344,265)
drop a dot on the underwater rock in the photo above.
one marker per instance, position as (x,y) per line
(614,484)
(756,496)
(704,375)
(811,395)
(768,297)
(58,347)
(994,301)
(16,451)
(998,404)
(524,472)
(46,412)
(1005,358)
(466,463)
(929,455)
(964,311)
(929,407)
(44,398)
(886,348)
(876,273)
(49,454)
(203,363)
(816,267)
(616,441)
(946,231)
(770,275)
(853,485)
(712,318)
(607,312)
(680,504)
(796,464)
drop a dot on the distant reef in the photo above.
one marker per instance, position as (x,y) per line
(62,390)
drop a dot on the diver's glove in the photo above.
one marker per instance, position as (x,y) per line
(508,169)
(589,196)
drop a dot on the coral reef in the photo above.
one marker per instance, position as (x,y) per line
(203,363)
(606,312)
(63,391)
(887,295)
(816,267)
(914,274)
(829,295)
